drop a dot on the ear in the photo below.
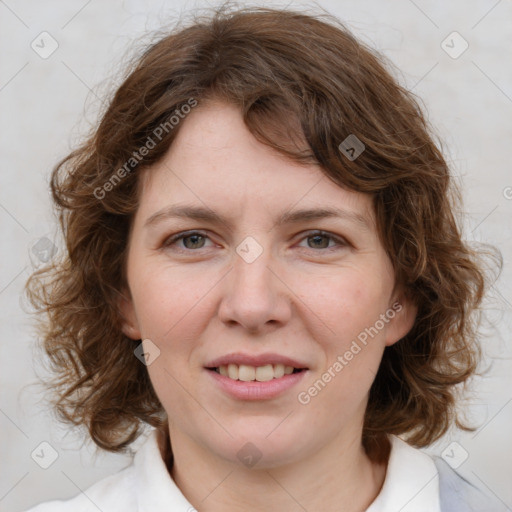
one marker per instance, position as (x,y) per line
(402,321)
(130,324)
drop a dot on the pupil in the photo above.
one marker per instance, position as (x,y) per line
(193,243)
(315,239)
(323,246)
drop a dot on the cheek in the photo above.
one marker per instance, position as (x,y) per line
(347,302)
(351,304)
(351,348)
(170,301)
(173,310)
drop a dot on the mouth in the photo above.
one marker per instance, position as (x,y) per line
(247,373)
(255,377)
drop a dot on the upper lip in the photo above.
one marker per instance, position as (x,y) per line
(239,358)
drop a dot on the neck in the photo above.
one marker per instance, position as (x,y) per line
(338,477)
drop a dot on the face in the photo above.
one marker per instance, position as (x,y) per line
(236,285)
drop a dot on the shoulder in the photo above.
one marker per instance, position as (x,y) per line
(112,493)
(143,484)
(417,482)
(458,494)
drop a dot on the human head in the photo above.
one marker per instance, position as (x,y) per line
(303,85)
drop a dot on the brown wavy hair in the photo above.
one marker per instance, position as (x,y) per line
(303,84)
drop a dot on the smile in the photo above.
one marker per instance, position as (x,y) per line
(250,377)
(247,373)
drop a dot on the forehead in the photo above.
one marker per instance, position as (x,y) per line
(216,162)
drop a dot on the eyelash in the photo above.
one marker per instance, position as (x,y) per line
(180,236)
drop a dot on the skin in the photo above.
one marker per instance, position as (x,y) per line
(305,297)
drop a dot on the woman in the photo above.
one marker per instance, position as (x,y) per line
(325,302)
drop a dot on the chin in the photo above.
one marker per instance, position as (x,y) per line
(254,448)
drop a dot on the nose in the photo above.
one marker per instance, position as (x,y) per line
(255,295)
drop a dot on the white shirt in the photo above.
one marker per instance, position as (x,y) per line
(412,484)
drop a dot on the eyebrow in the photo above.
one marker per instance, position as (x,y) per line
(200,213)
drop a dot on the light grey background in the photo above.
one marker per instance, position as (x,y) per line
(469,100)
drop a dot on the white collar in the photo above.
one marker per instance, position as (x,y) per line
(411,483)
(155,489)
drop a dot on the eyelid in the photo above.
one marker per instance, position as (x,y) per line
(168,241)
(339,240)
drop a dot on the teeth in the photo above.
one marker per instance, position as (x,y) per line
(264,373)
(247,373)
(233,371)
(278,371)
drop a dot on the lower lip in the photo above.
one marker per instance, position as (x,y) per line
(255,390)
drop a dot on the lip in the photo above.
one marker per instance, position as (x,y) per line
(255,390)
(239,358)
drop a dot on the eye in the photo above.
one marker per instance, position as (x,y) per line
(321,239)
(191,240)
(194,240)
